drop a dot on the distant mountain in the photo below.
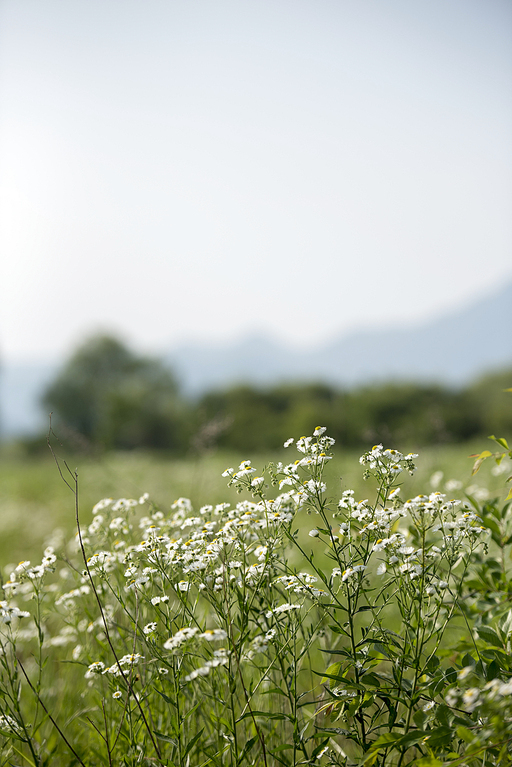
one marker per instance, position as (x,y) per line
(452,349)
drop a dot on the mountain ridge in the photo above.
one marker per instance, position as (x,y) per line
(451,349)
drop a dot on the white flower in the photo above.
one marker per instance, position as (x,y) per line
(117,694)
(282,609)
(346,574)
(288,442)
(220,658)
(314,533)
(181,636)
(213,635)
(95,668)
(149,628)
(77,651)
(157,600)
(471,698)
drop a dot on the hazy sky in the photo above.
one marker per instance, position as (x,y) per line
(198,169)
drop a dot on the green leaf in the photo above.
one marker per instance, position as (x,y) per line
(166,697)
(274,691)
(443,715)
(490,636)
(370,759)
(500,441)
(440,736)
(505,624)
(386,740)
(337,629)
(318,748)
(493,670)
(450,675)
(432,664)
(465,734)
(411,738)
(190,745)
(263,714)
(491,524)
(166,738)
(250,743)
(372,679)
(480,458)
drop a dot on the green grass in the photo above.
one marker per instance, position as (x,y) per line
(34,500)
(368,660)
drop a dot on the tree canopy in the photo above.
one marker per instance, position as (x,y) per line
(116,398)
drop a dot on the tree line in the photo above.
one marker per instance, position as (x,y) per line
(107,397)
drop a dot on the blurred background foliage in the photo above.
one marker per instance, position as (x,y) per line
(108,398)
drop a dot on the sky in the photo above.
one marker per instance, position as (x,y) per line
(178,171)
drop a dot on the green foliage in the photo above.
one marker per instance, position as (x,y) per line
(406,414)
(113,398)
(232,634)
(107,396)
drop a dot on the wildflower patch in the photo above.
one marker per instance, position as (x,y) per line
(242,634)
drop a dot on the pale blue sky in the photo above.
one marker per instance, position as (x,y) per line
(199,169)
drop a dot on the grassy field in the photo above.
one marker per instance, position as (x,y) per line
(34,501)
(364,626)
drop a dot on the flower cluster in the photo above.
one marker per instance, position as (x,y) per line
(372,591)
(388,464)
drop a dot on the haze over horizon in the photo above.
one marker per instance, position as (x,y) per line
(187,171)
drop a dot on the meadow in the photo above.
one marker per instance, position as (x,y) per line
(35,502)
(313,606)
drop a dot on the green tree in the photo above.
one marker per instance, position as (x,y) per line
(117,399)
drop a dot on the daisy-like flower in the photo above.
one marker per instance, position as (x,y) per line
(95,668)
(213,635)
(220,658)
(159,600)
(282,609)
(348,573)
(181,636)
